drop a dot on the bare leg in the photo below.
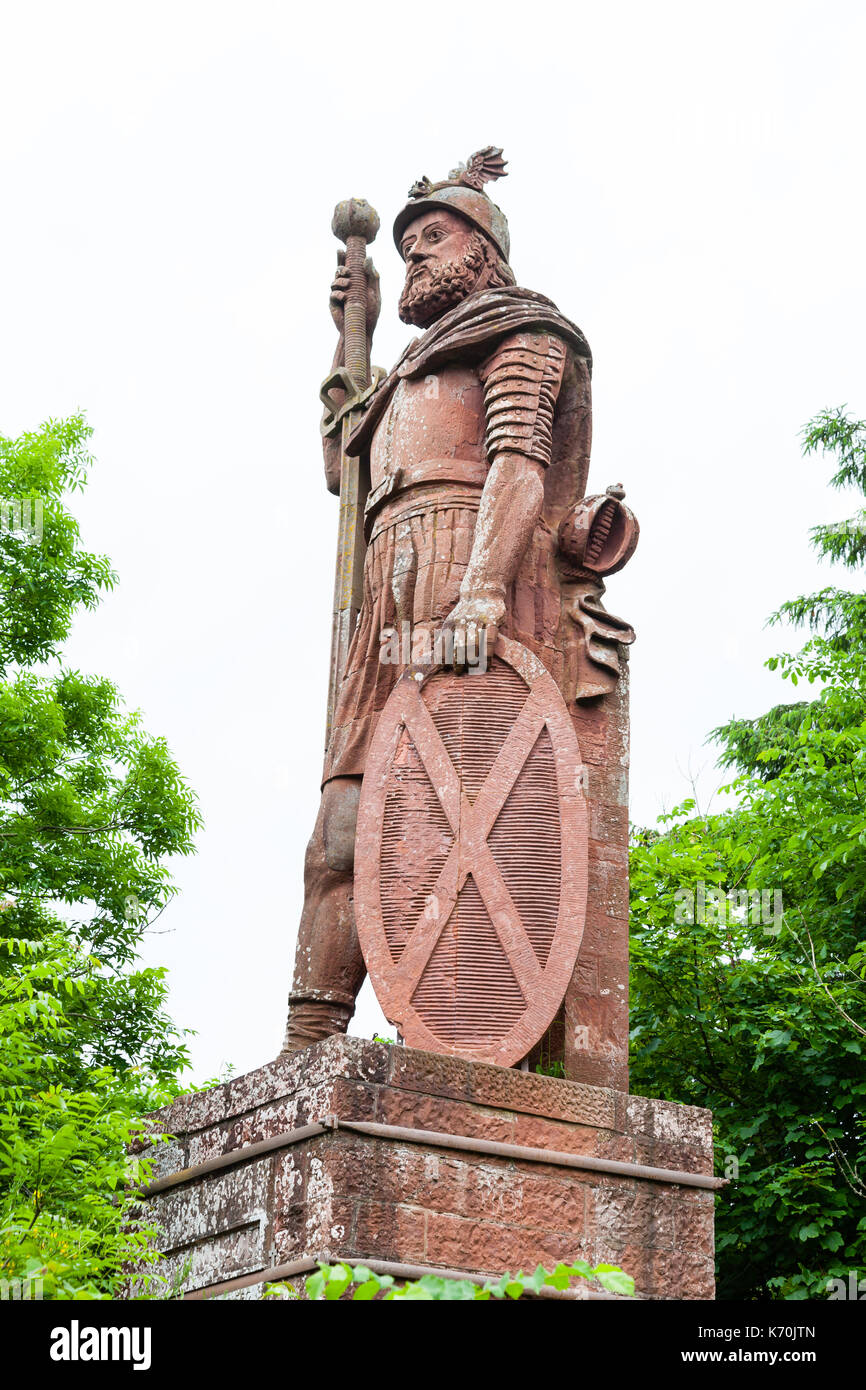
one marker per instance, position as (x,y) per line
(329,967)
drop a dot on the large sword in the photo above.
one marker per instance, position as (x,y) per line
(355,223)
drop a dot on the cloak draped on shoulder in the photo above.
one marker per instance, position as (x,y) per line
(472,327)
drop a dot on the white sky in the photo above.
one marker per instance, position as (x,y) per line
(685,181)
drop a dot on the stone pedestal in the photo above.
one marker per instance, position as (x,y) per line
(241,1196)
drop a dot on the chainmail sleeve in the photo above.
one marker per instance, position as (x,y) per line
(521,382)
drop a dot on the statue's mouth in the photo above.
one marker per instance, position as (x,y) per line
(417,273)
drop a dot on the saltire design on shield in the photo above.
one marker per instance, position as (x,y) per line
(471,858)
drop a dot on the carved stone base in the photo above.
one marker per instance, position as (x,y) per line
(285,1198)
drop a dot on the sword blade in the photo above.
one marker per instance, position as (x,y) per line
(351,550)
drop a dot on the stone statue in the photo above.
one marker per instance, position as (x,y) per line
(471,850)
(467,465)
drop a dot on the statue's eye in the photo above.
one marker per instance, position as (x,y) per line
(435,234)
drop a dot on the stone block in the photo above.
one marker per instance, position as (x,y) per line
(345,1193)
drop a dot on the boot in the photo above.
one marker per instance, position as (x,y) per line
(311,1020)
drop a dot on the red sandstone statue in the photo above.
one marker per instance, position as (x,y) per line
(470,463)
(490,879)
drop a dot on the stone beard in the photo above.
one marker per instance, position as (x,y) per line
(431,290)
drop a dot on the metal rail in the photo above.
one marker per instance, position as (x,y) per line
(397,1270)
(555,1157)
(234,1156)
(274,1275)
(439,1140)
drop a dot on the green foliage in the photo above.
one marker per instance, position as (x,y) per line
(42,585)
(65,1217)
(844,439)
(550,1067)
(332,1282)
(89,805)
(759,1015)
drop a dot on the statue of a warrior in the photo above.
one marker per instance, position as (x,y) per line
(476,523)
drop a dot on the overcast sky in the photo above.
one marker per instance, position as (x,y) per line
(685,181)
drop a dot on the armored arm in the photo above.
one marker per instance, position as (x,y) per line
(521,383)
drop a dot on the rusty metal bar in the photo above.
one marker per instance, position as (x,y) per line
(440,1140)
(233,1156)
(497,1149)
(306,1263)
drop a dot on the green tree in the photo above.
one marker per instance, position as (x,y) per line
(752,1003)
(90,805)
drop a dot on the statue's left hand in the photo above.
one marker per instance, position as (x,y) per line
(474,623)
(340,291)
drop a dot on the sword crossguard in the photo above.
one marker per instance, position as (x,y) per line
(342,378)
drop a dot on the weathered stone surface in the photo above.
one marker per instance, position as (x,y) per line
(416,1110)
(373,1197)
(224,1255)
(623,1214)
(693,1225)
(492,1247)
(394,1230)
(674,1124)
(430,1072)
(218,1227)
(166,1158)
(545,1095)
(501,1087)
(537,1132)
(608,824)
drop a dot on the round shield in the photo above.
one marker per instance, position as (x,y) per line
(471,858)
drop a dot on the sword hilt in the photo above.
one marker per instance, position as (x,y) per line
(356,223)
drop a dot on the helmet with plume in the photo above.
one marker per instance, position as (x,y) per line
(462,192)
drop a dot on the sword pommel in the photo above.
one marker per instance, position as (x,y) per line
(355,217)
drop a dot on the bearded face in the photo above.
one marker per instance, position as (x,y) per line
(445,261)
